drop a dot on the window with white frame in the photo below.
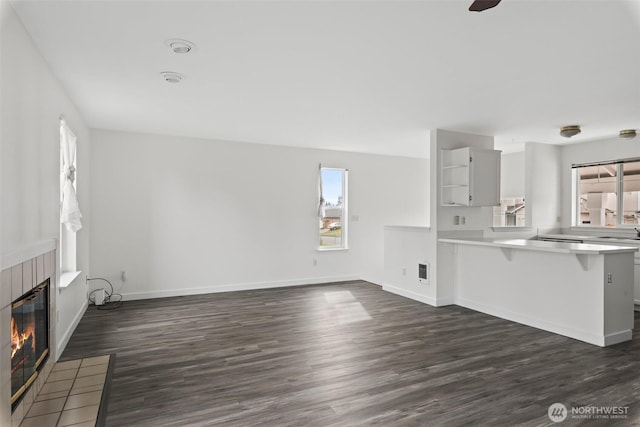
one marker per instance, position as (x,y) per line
(510,212)
(70,216)
(332,208)
(597,188)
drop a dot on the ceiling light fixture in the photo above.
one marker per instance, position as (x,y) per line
(171,76)
(569,131)
(180,46)
(627,133)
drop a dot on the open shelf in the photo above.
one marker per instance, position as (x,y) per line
(470,176)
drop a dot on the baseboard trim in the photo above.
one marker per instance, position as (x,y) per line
(410,294)
(446,301)
(617,337)
(372,281)
(130,296)
(62,344)
(599,340)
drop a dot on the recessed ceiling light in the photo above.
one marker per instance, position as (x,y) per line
(569,131)
(180,46)
(171,76)
(627,133)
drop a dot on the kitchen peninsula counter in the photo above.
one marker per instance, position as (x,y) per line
(543,246)
(583,291)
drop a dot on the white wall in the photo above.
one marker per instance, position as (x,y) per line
(31,103)
(543,193)
(476,218)
(606,149)
(512,175)
(185,215)
(404,249)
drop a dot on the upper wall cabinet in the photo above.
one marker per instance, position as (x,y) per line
(470,177)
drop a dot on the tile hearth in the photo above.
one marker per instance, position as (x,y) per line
(72,395)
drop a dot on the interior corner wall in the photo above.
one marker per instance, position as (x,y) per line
(32,101)
(187,216)
(543,195)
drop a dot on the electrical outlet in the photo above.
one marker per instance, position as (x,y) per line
(609,278)
(123,276)
(463,220)
(404,271)
(456,220)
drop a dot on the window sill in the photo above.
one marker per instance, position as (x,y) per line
(67,278)
(332,249)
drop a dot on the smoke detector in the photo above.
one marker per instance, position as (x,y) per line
(569,131)
(180,45)
(627,133)
(171,76)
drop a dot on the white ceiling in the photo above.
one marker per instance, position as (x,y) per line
(370,76)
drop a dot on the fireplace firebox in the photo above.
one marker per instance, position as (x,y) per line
(29,338)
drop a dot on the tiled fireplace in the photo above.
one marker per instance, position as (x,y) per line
(23,328)
(29,338)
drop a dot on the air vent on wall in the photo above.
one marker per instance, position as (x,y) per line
(423,273)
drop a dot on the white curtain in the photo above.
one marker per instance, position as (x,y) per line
(70,212)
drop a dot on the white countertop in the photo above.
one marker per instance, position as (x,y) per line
(539,245)
(595,239)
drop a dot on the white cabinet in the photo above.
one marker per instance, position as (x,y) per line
(470,177)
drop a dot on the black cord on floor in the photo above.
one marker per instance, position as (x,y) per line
(109,303)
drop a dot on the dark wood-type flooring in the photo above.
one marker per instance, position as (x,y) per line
(345,354)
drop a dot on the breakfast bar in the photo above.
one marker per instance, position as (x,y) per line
(582,291)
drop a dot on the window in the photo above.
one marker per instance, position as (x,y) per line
(598,186)
(631,193)
(70,216)
(510,213)
(332,210)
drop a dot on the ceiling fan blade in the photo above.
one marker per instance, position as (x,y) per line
(480,5)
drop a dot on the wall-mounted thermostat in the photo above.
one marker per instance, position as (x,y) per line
(423,273)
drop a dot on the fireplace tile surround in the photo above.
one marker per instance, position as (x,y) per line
(23,271)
